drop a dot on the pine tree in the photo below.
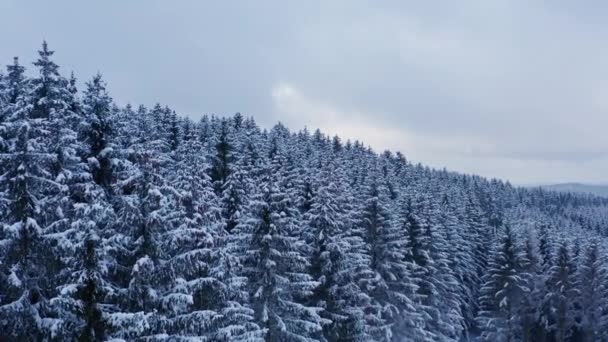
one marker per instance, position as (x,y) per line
(27,256)
(545,246)
(532,328)
(479,239)
(234,197)
(561,295)
(390,283)
(447,299)
(14,87)
(90,293)
(83,294)
(332,265)
(460,260)
(73,101)
(593,294)
(208,298)
(223,159)
(49,90)
(97,132)
(275,269)
(437,298)
(156,118)
(82,298)
(142,220)
(501,292)
(204,294)
(174,134)
(50,111)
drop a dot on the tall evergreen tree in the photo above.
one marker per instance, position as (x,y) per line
(28,259)
(14,87)
(592,298)
(333,263)
(97,132)
(561,295)
(532,327)
(501,293)
(275,269)
(223,158)
(49,90)
(390,282)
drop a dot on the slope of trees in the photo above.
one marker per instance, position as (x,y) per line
(137,224)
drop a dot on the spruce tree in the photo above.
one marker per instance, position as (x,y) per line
(447,299)
(14,87)
(592,293)
(561,295)
(27,255)
(222,160)
(459,260)
(332,265)
(501,292)
(390,282)
(97,132)
(532,327)
(49,90)
(275,268)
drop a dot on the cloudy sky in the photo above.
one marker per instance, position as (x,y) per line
(510,89)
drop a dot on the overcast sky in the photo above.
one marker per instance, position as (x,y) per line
(506,89)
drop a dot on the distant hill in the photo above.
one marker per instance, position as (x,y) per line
(600,190)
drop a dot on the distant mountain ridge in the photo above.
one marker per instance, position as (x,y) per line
(596,189)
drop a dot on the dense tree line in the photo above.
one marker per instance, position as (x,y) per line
(139,224)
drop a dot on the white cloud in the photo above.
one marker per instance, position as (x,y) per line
(297,111)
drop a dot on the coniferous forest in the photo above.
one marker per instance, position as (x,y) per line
(136,223)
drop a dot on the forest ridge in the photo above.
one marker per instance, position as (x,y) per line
(138,224)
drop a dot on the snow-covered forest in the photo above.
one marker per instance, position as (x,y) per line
(136,223)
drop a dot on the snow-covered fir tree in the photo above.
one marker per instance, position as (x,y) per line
(28,260)
(276,269)
(501,292)
(593,294)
